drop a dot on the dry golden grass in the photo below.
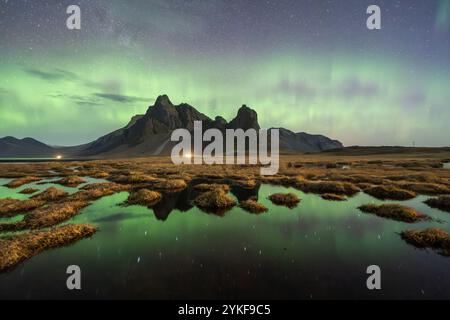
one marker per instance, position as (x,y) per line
(46,216)
(29,191)
(442,203)
(170,185)
(333,197)
(70,181)
(17,248)
(334,187)
(289,200)
(21,181)
(252,206)
(212,186)
(385,192)
(144,197)
(51,194)
(433,238)
(11,207)
(96,191)
(395,212)
(214,199)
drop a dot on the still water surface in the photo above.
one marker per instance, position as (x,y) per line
(320,249)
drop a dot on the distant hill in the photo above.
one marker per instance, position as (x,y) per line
(11,147)
(149,134)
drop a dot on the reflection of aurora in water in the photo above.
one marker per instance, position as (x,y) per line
(320,249)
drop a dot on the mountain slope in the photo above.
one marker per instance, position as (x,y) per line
(11,147)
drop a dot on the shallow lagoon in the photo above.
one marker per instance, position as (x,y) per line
(320,249)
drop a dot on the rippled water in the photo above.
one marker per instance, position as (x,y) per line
(320,249)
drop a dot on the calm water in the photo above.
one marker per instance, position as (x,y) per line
(320,249)
(446,165)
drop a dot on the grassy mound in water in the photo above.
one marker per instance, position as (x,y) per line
(434,238)
(289,200)
(70,181)
(323,187)
(11,207)
(95,191)
(21,181)
(170,184)
(29,191)
(212,186)
(252,206)
(144,197)
(395,212)
(333,197)
(46,216)
(51,194)
(442,203)
(17,248)
(214,199)
(390,192)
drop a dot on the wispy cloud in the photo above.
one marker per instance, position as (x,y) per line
(120,98)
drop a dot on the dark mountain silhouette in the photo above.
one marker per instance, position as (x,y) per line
(11,147)
(149,134)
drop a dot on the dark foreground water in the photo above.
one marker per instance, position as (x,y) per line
(320,249)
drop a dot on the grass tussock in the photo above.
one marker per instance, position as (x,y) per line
(144,197)
(51,194)
(385,192)
(170,184)
(395,212)
(425,188)
(17,248)
(212,186)
(21,181)
(11,207)
(96,191)
(333,197)
(289,200)
(46,216)
(215,199)
(252,206)
(442,203)
(322,187)
(433,238)
(70,181)
(246,183)
(29,191)
(133,178)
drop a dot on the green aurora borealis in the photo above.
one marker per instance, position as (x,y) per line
(368,90)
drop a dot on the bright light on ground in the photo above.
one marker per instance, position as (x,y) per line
(59,157)
(187,155)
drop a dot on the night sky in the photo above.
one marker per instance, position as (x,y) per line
(307,65)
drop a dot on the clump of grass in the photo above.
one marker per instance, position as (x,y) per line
(11,207)
(214,199)
(433,238)
(289,200)
(321,187)
(29,191)
(17,248)
(212,186)
(395,212)
(71,181)
(333,197)
(246,183)
(390,192)
(51,194)
(425,188)
(96,191)
(21,181)
(441,202)
(170,184)
(144,197)
(46,216)
(134,178)
(252,206)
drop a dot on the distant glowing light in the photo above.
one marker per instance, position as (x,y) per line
(187,155)
(59,157)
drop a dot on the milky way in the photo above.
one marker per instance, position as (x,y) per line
(306,65)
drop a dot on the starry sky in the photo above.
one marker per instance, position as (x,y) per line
(307,65)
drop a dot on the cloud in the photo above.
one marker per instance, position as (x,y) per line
(120,98)
(357,88)
(413,99)
(53,75)
(296,88)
